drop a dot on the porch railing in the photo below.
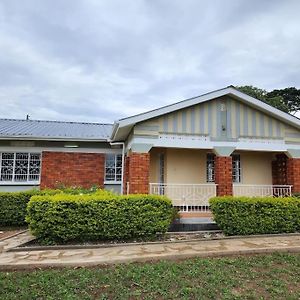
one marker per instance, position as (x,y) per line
(262,190)
(186,197)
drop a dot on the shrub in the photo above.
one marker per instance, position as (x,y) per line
(13,207)
(256,215)
(62,217)
(13,204)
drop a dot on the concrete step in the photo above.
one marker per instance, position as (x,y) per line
(175,227)
(193,223)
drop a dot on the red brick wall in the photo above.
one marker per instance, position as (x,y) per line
(72,169)
(223,175)
(293,174)
(138,173)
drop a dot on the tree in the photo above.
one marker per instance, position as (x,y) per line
(290,96)
(287,100)
(253,91)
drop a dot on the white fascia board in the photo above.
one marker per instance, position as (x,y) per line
(194,144)
(59,149)
(209,96)
(114,131)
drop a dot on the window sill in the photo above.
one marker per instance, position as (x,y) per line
(19,183)
(112,182)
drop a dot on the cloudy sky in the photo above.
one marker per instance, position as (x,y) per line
(98,60)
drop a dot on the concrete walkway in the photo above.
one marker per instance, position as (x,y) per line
(143,252)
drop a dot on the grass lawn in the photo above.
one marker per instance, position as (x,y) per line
(275,276)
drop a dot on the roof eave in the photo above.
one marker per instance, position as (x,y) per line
(57,139)
(114,131)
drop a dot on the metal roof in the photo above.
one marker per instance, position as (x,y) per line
(54,130)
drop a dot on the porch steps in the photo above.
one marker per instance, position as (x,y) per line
(193,224)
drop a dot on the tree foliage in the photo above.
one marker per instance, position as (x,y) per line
(287,99)
(290,96)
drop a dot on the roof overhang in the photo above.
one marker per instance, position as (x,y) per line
(50,139)
(123,127)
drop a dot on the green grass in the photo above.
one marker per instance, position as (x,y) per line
(275,276)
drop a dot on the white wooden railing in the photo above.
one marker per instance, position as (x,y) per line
(262,190)
(186,197)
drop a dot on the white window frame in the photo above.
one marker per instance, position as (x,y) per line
(237,178)
(18,182)
(235,157)
(208,158)
(115,181)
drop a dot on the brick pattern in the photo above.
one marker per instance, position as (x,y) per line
(138,173)
(293,174)
(223,175)
(279,170)
(72,169)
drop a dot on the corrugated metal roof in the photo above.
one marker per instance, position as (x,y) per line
(47,130)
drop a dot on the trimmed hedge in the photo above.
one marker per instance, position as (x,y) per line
(13,204)
(256,215)
(62,217)
(13,207)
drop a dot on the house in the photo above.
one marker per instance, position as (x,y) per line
(220,143)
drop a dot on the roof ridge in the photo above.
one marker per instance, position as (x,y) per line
(54,121)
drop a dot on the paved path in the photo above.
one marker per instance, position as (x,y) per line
(130,253)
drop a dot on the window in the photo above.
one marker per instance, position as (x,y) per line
(161,174)
(210,167)
(113,167)
(20,167)
(161,168)
(236,168)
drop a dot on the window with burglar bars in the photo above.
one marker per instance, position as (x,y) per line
(236,168)
(20,167)
(113,167)
(210,167)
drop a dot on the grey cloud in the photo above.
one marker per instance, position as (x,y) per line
(103,60)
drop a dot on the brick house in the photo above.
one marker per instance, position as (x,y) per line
(220,143)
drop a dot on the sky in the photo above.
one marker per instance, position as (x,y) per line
(99,61)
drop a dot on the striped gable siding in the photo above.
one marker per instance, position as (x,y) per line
(249,122)
(223,118)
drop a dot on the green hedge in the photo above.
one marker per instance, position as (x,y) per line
(13,204)
(62,217)
(13,207)
(256,215)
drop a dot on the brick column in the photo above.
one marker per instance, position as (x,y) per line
(138,173)
(223,175)
(293,174)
